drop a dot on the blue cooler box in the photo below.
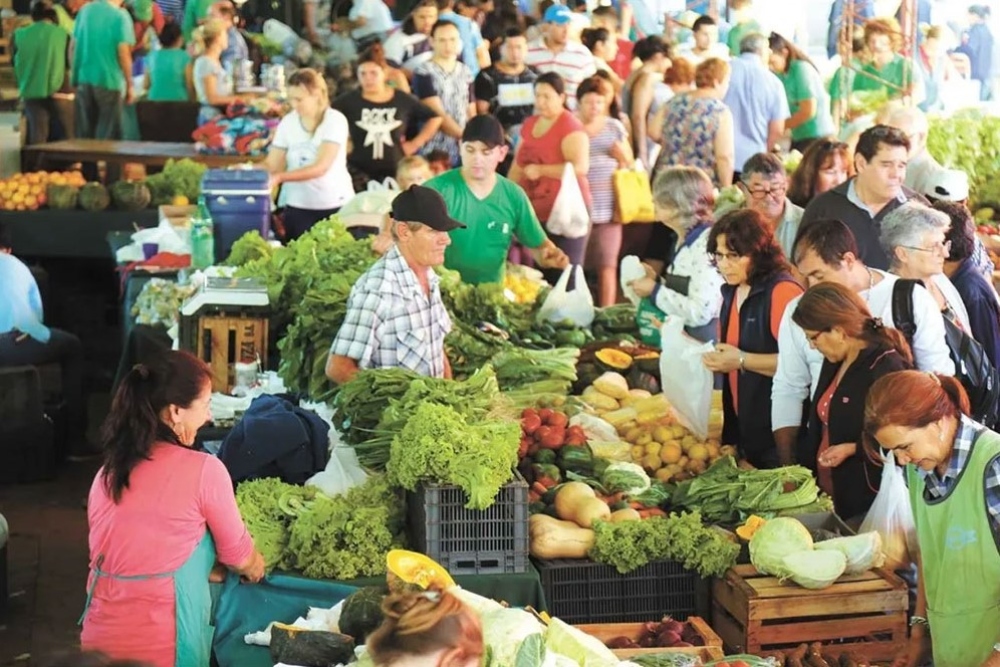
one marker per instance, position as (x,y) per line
(239,201)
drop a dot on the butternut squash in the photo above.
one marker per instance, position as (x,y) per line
(627,514)
(569,496)
(551,538)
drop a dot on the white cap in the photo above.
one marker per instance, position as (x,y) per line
(947,185)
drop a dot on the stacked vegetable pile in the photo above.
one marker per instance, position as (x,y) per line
(299,528)
(31,191)
(668,633)
(784,548)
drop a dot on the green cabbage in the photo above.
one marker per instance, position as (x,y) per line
(863,552)
(581,648)
(814,569)
(504,630)
(776,539)
(626,477)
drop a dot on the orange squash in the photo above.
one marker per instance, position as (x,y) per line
(409,568)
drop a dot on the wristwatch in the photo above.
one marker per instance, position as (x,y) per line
(918,620)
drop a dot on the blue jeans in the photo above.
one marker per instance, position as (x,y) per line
(98,116)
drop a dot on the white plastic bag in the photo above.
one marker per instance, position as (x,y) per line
(687,384)
(892,517)
(576,305)
(569,216)
(342,473)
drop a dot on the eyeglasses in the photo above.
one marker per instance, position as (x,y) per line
(812,337)
(943,249)
(720,257)
(775,191)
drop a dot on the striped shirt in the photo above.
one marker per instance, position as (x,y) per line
(392,323)
(602,169)
(574,64)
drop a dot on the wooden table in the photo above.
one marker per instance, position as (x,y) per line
(150,153)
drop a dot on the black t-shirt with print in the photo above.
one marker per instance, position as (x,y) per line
(378,129)
(511,96)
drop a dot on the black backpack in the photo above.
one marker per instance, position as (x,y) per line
(972,367)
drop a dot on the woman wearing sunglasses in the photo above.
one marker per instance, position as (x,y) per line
(758,288)
(857,350)
(914,239)
(952,465)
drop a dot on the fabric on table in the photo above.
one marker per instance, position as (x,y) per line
(276,438)
(244,608)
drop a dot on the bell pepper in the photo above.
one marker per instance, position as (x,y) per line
(576,459)
(545,456)
(545,473)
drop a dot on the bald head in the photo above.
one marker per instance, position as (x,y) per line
(913,123)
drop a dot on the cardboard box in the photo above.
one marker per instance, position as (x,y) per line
(178,216)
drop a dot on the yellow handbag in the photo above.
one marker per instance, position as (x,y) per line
(633,195)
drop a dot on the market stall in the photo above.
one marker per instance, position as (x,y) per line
(149,153)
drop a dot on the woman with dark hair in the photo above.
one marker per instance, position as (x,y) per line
(952,466)
(169,70)
(825,165)
(427,628)
(696,128)
(603,44)
(609,152)
(161,515)
(550,139)
(394,76)
(807,98)
(858,349)
(410,46)
(759,286)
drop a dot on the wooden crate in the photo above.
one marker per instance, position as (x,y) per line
(222,341)
(864,613)
(712,650)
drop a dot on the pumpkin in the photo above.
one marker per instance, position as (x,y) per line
(362,613)
(309,648)
(648,362)
(130,195)
(551,538)
(415,569)
(62,197)
(94,197)
(614,360)
(747,530)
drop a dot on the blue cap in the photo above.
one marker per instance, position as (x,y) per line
(558,14)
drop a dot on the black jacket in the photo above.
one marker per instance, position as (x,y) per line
(750,429)
(834,204)
(856,480)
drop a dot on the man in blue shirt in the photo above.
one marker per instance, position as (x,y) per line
(977,44)
(475,50)
(26,341)
(757,100)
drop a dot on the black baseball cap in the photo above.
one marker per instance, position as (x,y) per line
(486,129)
(426,206)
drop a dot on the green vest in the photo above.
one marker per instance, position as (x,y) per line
(960,561)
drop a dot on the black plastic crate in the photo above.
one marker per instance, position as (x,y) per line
(582,591)
(464,541)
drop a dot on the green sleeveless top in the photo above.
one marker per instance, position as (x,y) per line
(960,560)
(167,82)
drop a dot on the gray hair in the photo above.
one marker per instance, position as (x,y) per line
(686,190)
(754,43)
(414,227)
(907,225)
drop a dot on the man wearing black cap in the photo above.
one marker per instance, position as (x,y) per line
(495,209)
(395,316)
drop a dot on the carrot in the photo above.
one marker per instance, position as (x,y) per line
(655,511)
(636,506)
(539,488)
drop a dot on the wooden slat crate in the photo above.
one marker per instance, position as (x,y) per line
(223,341)
(864,613)
(712,650)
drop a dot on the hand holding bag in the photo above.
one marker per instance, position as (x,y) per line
(576,305)
(569,217)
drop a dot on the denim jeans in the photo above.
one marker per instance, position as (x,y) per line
(98,116)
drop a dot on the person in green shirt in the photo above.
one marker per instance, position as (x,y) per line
(743,25)
(807,99)
(195,11)
(495,209)
(884,70)
(41,51)
(66,13)
(169,70)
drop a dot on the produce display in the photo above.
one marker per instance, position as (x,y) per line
(784,548)
(970,141)
(179,183)
(31,191)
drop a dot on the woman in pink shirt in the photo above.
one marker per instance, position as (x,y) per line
(161,515)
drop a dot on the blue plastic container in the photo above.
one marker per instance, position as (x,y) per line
(239,201)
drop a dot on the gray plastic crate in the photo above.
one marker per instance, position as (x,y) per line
(464,541)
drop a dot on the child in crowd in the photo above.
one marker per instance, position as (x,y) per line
(413,170)
(439,162)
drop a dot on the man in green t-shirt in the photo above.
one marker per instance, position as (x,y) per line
(66,13)
(495,209)
(41,51)
(195,11)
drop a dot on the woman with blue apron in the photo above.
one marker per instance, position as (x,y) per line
(161,515)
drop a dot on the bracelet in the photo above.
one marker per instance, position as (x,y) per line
(918,620)
(743,361)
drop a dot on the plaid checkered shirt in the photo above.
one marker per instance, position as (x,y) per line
(939,487)
(392,322)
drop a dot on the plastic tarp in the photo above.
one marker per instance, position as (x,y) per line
(244,608)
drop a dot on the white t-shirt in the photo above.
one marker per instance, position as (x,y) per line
(332,189)
(799,365)
(378,18)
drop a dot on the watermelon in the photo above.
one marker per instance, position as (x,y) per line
(362,613)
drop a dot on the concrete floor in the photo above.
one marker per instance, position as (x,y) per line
(48,565)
